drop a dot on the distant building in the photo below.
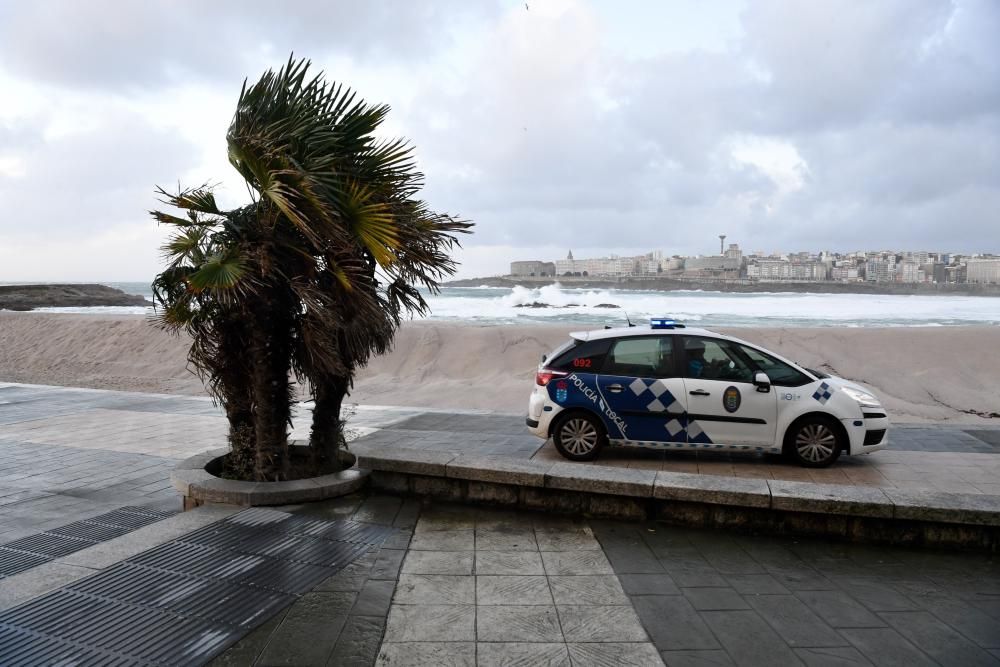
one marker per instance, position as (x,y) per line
(983,271)
(533,268)
(909,272)
(880,270)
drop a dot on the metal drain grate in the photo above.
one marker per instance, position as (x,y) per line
(12,562)
(28,552)
(186,601)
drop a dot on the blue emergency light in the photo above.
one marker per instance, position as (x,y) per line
(662,323)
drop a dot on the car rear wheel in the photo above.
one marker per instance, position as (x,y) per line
(579,436)
(814,442)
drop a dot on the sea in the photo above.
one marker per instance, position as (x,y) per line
(572,306)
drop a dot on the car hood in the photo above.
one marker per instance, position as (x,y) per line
(841,382)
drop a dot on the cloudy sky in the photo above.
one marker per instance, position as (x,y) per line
(601,126)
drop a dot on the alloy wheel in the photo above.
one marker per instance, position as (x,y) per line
(815,443)
(579,436)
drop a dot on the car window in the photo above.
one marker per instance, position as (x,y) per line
(641,357)
(711,359)
(780,373)
(586,356)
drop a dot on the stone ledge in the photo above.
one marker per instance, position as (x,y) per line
(498,469)
(712,489)
(830,499)
(410,461)
(198,486)
(938,506)
(601,479)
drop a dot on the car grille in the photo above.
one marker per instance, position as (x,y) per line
(874,437)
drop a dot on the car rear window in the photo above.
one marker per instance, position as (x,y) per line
(584,356)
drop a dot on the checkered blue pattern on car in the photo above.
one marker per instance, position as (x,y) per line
(656,398)
(823,393)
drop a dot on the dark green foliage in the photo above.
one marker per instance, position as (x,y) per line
(313,276)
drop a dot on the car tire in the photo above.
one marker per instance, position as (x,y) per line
(814,442)
(579,436)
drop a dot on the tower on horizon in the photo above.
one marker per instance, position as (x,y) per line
(722,244)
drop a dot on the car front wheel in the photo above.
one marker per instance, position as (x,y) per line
(579,436)
(814,442)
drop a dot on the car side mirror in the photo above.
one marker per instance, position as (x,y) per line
(544,357)
(762,382)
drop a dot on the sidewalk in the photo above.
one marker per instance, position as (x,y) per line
(482,586)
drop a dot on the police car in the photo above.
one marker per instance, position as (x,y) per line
(674,387)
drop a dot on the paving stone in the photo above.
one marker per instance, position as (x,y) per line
(374,598)
(506,654)
(938,640)
(648,584)
(592,623)
(885,646)
(512,590)
(435,589)
(632,559)
(307,634)
(876,595)
(755,584)
(351,578)
(359,641)
(709,599)
(578,538)
(748,638)
(587,589)
(37,581)
(438,562)
(431,623)
(831,657)
(794,621)
(420,654)
(509,562)
(971,622)
(517,623)
(575,562)
(800,578)
(506,539)
(839,610)
(248,648)
(695,577)
(614,654)
(672,623)
(438,518)
(717,658)
(387,563)
(444,540)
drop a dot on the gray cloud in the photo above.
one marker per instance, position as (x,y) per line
(546,134)
(116,45)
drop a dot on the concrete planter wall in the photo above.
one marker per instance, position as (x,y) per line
(197,480)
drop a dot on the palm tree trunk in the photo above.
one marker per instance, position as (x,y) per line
(325,438)
(271,390)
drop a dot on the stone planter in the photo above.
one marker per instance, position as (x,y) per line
(198,481)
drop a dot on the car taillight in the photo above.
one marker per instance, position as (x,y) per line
(544,375)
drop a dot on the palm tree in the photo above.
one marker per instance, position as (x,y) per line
(313,276)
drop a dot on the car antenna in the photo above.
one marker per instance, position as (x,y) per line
(628,320)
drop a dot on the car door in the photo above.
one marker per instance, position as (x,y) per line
(724,406)
(642,390)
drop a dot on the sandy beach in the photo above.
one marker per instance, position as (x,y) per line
(922,373)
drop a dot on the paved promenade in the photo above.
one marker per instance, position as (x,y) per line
(463,586)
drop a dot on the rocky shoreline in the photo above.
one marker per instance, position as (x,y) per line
(29,297)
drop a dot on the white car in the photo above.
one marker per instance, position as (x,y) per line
(667,386)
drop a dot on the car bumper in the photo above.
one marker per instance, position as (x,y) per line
(868,434)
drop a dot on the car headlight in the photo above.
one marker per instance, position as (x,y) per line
(862,397)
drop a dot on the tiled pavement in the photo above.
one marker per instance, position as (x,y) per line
(496,587)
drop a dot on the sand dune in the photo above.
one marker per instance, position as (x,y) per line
(922,374)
